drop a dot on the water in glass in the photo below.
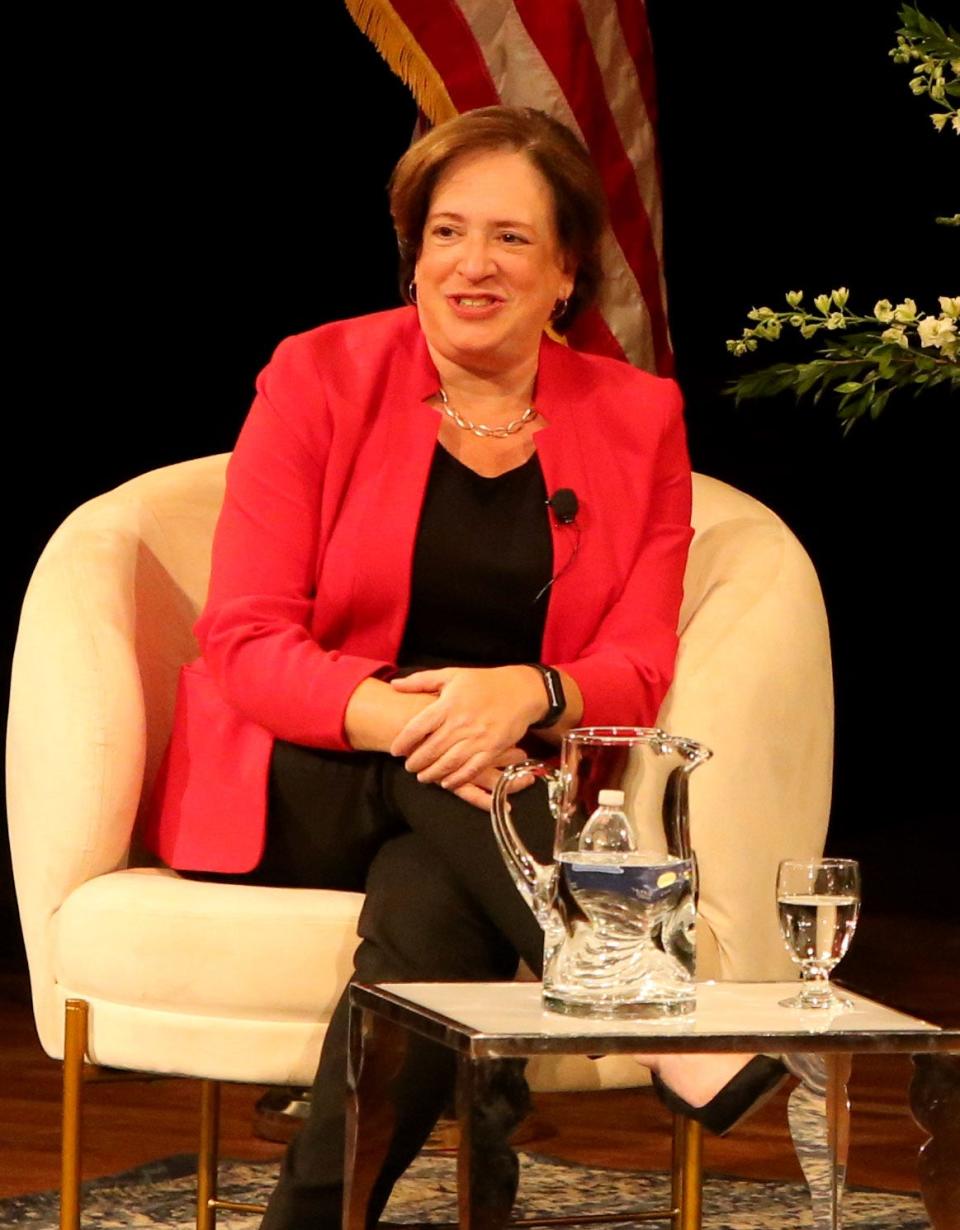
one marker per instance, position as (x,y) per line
(818,903)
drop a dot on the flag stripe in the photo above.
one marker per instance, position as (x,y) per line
(624,98)
(569,54)
(636,33)
(628,108)
(592,332)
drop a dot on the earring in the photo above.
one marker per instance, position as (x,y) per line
(412,291)
(559,308)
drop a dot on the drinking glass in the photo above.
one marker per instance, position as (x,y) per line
(818,902)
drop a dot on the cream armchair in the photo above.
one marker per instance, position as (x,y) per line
(227,982)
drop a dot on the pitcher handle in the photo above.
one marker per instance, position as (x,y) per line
(535,882)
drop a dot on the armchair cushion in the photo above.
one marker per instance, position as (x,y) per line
(209,948)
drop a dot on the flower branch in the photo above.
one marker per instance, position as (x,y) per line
(864,359)
(934,55)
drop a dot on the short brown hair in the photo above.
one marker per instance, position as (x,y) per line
(579,204)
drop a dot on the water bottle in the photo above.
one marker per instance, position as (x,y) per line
(608,829)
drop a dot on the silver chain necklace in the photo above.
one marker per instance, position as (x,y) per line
(480,429)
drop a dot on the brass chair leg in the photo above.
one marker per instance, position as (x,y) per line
(208,1155)
(74,1053)
(690,1207)
(676,1171)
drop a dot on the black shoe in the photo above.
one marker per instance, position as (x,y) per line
(280,1113)
(744,1093)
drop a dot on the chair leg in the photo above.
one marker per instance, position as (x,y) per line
(74,1054)
(208,1155)
(686,1187)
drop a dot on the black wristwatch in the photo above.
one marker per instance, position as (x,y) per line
(556,700)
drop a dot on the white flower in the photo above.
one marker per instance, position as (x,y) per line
(937,90)
(918,85)
(796,321)
(896,334)
(836,320)
(760,313)
(808,330)
(822,303)
(936,330)
(794,297)
(883,310)
(770,329)
(940,120)
(840,296)
(950,306)
(905,312)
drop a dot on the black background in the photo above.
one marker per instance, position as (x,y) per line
(195,188)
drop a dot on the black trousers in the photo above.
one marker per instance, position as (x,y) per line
(439,905)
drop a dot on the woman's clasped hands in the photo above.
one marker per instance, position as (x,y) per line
(471,731)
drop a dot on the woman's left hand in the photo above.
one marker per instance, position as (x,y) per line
(479,792)
(478,713)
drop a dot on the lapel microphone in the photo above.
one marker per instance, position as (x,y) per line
(565,506)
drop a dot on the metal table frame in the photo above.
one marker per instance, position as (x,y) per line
(490,1065)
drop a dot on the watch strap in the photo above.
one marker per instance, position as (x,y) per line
(556,701)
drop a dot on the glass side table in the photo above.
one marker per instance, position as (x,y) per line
(492,1027)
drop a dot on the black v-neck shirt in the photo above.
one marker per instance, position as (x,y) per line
(483,554)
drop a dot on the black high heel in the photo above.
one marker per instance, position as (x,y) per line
(744,1093)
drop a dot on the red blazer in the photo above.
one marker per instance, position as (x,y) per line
(310,580)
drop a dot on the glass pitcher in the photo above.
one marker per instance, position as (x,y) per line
(618,903)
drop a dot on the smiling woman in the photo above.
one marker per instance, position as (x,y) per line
(393,613)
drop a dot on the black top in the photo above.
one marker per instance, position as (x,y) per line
(482,556)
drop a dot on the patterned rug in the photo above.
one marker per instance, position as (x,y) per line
(161,1194)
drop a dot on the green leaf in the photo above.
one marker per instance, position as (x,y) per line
(853,410)
(880,403)
(766,382)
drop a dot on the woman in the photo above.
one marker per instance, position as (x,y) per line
(395,606)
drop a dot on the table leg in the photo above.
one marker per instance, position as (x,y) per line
(935,1103)
(819,1115)
(838,1130)
(686,1187)
(492,1098)
(376,1052)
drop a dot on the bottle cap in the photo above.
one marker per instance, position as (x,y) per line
(610,798)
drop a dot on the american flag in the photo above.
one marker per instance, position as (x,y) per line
(588,63)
